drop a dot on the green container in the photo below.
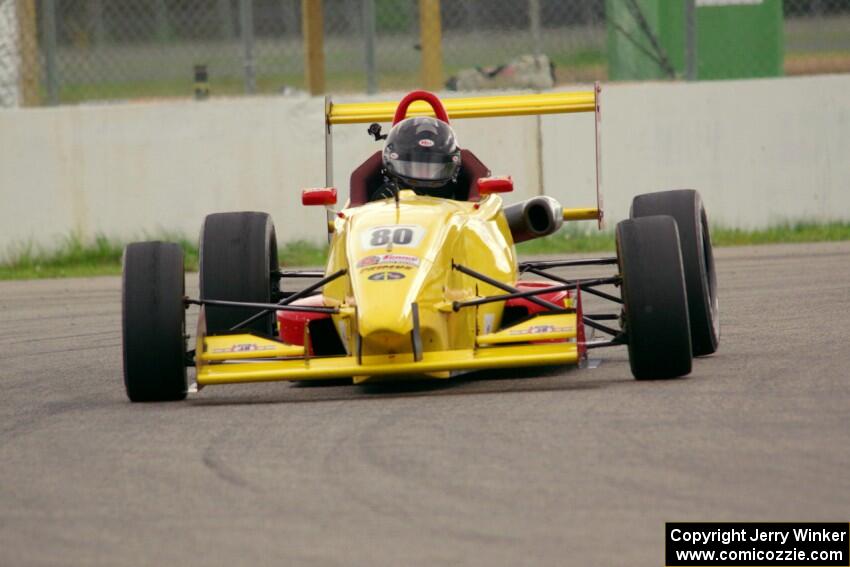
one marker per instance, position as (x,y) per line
(735,39)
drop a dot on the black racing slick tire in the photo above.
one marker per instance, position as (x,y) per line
(685,206)
(153,322)
(655,304)
(238,253)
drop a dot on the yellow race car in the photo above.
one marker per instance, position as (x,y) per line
(422,277)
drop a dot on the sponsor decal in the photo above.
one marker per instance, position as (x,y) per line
(244,347)
(426,143)
(384,260)
(402,259)
(386,276)
(384,267)
(368,261)
(540,329)
(397,235)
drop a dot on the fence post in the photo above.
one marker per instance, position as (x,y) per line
(48,22)
(29,72)
(246,23)
(312,26)
(369,33)
(430,39)
(534,24)
(690,40)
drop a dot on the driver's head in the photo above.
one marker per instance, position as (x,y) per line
(422,153)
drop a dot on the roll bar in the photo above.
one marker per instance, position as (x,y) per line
(424,103)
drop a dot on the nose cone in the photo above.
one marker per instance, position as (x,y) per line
(384,296)
(392,252)
(386,342)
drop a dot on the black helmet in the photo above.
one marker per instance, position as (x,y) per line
(422,153)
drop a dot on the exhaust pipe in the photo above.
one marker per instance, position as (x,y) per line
(534,218)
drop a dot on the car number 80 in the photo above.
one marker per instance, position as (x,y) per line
(398,235)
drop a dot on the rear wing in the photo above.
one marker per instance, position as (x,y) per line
(476,107)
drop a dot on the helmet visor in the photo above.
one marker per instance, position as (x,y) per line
(423,170)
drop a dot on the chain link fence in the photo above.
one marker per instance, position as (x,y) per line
(67,51)
(817,36)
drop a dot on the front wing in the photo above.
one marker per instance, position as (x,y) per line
(231,359)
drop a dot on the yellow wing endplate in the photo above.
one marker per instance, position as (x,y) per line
(473,107)
(559,327)
(244,346)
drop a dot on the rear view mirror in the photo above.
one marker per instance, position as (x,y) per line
(487,185)
(324,196)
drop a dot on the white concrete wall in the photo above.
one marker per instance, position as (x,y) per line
(131,170)
(760,151)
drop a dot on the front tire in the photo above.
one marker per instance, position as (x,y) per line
(655,306)
(153,322)
(238,253)
(685,206)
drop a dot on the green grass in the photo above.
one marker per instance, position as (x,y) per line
(102,256)
(573,238)
(75,257)
(790,232)
(303,253)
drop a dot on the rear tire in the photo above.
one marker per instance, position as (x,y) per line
(685,206)
(238,253)
(153,322)
(655,302)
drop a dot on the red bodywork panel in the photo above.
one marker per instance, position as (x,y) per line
(291,323)
(556,297)
(324,196)
(488,185)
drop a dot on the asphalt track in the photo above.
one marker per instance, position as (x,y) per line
(554,467)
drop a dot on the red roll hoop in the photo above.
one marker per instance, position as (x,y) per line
(411,97)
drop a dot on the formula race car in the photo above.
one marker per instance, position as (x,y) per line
(422,277)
